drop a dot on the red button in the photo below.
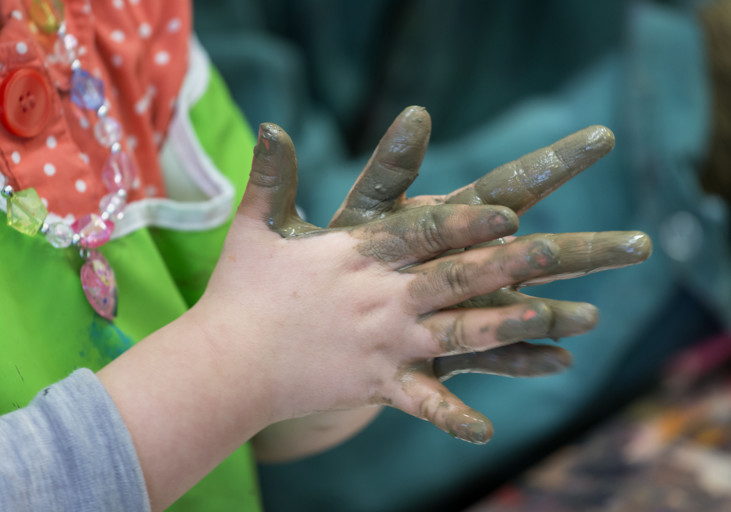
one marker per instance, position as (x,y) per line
(25,102)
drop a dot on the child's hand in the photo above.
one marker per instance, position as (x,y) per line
(346,317)
(381,191)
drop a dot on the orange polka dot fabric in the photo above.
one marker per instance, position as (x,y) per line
(139,49)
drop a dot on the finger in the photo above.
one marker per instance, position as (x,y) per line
(393,166)
(452,279)
(456,331)
(533,259)
(421,233)
(515,360)
(272,186)
(431,401)
(586,253)
(569,318)
(522,183)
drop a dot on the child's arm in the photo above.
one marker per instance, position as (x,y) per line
(298,320)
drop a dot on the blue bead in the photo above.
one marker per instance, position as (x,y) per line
(87,91)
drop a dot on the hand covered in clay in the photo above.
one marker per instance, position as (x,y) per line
(346,317)
(380,191)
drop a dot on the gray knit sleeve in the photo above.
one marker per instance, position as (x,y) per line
(69,450)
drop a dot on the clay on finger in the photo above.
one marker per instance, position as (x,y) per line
(515,360)
(523,182)
(391,169)
(457,331)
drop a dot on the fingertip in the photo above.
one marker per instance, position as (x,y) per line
(271,137)
(480,432)
(599,139)
(587,315)
(543,360)
(555,360)
(268,131)
(506,220)
(472,427)
(416,114)
(639,244)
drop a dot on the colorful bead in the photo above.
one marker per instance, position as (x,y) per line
(107,131)
(26,212)
(112,206)
(100,285)
(60,235)
(87,91)
(119,172)
(65,48)
(93,230)
(47,15)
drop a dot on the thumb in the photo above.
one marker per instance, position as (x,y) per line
(272,186)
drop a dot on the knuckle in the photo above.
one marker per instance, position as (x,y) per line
(429,234)
(431,406)
(454,337)
(457,277)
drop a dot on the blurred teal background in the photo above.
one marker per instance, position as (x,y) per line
(500,79)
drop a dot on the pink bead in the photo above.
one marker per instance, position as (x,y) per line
(100,285)
(119,172)
(93,230)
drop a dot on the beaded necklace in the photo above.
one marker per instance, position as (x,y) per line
(25,210)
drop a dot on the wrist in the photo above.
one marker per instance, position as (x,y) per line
(184,404)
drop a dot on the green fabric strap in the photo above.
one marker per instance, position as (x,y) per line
(49,329)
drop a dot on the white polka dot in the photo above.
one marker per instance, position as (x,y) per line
(131,142)
(145,30)
(15,156)
(51,142)
(117,36)
(21,48)
(151,190)
(136,184)
(49,169)
(174,25)
(118,4)
(86,9)
(84,122)
(157,138)
(134,2)
(45,202)
(81,185)
(117,61)
(162,58)
(17,15)
(84,157)
(142,105)
(82,50)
